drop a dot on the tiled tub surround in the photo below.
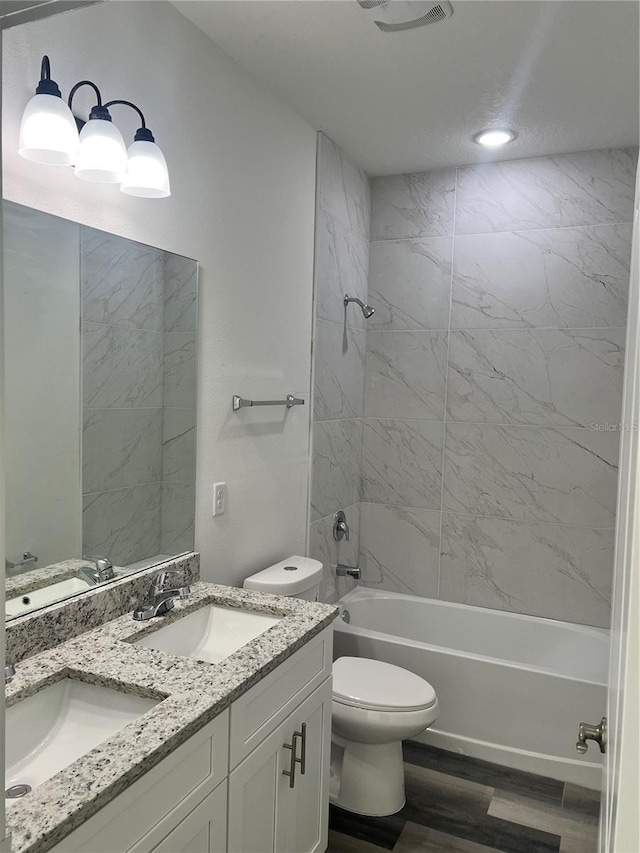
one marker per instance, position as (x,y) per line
(341,266)
(44,629)
(192,694)
(494,365)
(139,361)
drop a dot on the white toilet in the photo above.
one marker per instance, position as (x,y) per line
(375,707)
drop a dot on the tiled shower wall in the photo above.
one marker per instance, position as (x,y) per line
(341,266)
(139,362)
(493,382)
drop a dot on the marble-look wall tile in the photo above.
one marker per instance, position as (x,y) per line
(573,277)
(121,447)
(543,377)
(323,547)
(339,372)
(178,514)
(400,549)
(537,474)
(405,375)
(417,205)
(123,524)
(180,294)
(402,463)
(122,368)
(337,450)
(410,283)
(548,570)
(586,188)
(122,281)
(341,266)
(179,446)
(342,188)
(180,366)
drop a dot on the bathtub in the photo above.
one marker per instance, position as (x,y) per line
(512,689)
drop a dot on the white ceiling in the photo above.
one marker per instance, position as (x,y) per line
(562,73)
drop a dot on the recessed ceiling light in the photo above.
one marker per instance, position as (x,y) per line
(494,138)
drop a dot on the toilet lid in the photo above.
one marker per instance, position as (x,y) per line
(379,686)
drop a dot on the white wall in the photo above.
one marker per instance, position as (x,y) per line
(42,407)
(243,183)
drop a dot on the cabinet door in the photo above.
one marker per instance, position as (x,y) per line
(266,814)
(204,830)
(302,813)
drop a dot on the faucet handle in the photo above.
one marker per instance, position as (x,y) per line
(161,577)
(340,526)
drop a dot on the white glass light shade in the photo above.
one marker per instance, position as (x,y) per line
(48,132)
(102,155)
(147,175)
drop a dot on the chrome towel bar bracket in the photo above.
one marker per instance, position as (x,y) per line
(241,403)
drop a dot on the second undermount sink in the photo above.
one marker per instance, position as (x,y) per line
(209,634)
(50,730)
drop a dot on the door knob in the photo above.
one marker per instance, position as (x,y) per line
(588,732)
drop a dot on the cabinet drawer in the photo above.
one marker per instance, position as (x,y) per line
(166,794)
(260,710)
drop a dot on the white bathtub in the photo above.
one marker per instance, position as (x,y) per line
(512,689)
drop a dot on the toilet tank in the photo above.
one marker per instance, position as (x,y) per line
(296,577)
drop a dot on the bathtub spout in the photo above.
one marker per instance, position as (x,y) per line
(348,572)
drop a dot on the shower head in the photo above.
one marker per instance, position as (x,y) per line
(367,310)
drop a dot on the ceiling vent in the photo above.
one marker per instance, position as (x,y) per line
(394,16)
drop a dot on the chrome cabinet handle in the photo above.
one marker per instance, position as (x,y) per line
(291,772)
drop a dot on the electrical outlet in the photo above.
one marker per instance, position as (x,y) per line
(219,498)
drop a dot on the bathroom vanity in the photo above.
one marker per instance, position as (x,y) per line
(229,753)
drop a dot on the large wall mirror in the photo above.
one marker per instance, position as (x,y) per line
(100,406)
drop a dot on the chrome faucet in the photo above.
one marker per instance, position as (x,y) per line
(103,570)
(340,526)
(9,672)
(160,600)
(348,572)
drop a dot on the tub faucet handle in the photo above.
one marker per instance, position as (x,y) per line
(340,526)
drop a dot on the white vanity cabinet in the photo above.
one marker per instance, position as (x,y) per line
(225,789)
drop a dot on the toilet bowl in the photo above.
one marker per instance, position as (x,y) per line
(375,707)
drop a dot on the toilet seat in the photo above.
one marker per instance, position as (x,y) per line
(377,686)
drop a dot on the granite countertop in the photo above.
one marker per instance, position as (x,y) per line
(191,692)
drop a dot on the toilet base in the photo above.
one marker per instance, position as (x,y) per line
(367,779)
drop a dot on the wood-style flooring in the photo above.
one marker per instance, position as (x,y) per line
(462,805)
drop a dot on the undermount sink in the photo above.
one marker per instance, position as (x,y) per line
(45,595)
(50,730)
(209,634)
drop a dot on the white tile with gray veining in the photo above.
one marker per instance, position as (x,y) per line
(122,281)
(121,447)
(538,377)
(410,283)
(341,266)
(178,514)
(180,370)
(416,205)
(531,473)
(180,294)
(179,446)
(400,549)
(573,277)
(191,694)
(325,548)
(339,372)
(402,463)
(337,448)
(405,375)
(343,189)
(548,570)
(122,368)
(123,524)
(585,188)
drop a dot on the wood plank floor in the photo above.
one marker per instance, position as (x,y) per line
(462,805)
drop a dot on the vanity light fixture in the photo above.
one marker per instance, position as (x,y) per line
(495,137)
(49,134)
